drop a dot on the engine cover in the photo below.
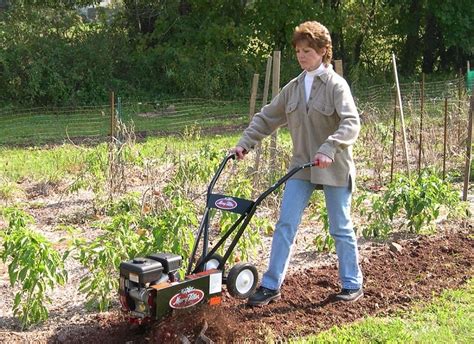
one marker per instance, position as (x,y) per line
(141,270)
(171,262)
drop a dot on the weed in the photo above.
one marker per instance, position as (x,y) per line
(8,190)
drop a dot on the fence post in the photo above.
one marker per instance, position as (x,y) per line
(266,86)
(467,170)
(253,96)
(258,148)
(275,90)
(338,67)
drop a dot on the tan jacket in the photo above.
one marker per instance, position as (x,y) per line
(328,124)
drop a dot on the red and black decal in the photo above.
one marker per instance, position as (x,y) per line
(226,203)
(187,297)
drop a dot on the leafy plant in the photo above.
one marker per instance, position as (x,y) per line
(195,168)
(130,234)
(93,175)
(323,242)
(102,256)
(419,199)
(172,228)
(128,203)
(8,190)
(33,265)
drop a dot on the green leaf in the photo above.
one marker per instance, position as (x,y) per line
(17,300)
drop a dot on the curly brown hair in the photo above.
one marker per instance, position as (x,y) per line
(317,36)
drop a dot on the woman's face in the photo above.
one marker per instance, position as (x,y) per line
(308,58)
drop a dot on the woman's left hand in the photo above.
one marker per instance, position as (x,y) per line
(322,161)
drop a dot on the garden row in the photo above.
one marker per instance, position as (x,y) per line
(147,197)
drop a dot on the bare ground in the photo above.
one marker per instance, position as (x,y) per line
(424,267)
(393,281)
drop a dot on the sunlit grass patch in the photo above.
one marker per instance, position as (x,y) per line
(447,319)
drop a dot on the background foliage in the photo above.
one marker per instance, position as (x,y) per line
(51,55)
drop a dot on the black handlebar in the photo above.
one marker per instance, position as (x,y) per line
(242,222)
(219,171)
(282,180)
(270,189)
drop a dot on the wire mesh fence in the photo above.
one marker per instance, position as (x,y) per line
(412,93)
(36,126)
(436,128)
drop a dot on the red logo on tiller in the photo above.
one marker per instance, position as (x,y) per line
(226,203)
(187,297)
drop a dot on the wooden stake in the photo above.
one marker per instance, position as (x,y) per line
(422,105)
(112,116)
(111,146)
(253,96)
(460,87)
(275,91)
(467,170)
(445,140)
(394,136)
(266,86)
(258,148)
(402,119)
(338,67)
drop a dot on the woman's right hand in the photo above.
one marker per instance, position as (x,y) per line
(239,151)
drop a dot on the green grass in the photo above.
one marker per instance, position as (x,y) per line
(447,319)
(52,164)
(46,125)
(39,164)
(43,125)
(206,114)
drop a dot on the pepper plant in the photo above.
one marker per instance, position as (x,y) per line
(34,266)
(417,201)
(103,255)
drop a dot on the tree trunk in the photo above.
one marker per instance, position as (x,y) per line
(408,56)
(184,8)
(431,44)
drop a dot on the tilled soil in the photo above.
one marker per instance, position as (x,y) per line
(394,279)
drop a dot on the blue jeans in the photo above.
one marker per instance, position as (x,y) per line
(338,203)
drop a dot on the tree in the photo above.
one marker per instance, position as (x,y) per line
(434,35)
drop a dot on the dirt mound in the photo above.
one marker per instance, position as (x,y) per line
(203,325)
(393,279)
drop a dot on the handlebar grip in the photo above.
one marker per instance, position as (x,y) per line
(234,155)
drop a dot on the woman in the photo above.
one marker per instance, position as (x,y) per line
(324,123)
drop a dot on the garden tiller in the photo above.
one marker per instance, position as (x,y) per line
(150,287)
